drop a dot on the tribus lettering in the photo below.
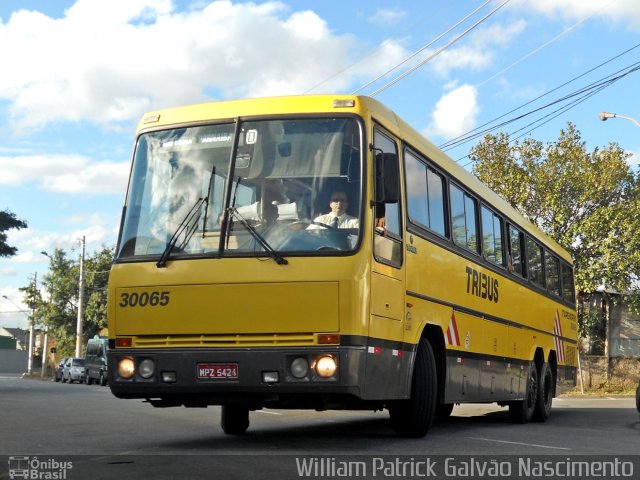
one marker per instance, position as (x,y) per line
(482,285)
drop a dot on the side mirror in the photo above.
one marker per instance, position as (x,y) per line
(387,178)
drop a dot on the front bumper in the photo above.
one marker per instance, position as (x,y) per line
(343,388)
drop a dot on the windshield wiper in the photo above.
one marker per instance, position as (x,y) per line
(279,259)
(184,226)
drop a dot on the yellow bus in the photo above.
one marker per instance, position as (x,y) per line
(234,285)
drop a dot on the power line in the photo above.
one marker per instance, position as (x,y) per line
(423,48)
(367,55)
(595,86)
(468,136)
(546,44)
(438,52)
(581,94)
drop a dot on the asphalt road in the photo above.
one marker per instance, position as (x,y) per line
(112,438)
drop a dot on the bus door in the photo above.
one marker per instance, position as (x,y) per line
(386,326)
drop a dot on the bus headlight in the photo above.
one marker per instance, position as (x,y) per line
(299,367)
(126,367)
(325,366)
(147,368)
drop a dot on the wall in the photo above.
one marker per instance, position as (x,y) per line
(616,375)
(13,361)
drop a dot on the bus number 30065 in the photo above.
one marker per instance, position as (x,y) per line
(153,299)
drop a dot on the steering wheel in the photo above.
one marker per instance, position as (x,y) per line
(303,224)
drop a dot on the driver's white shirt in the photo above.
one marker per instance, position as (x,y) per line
(344,221)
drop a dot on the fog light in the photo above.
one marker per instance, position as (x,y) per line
(270,377)
(169,377)
(300,367)
(147,368)
(325,366)
(126,367)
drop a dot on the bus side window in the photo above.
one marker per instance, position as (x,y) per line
(515,261)
(568,292)
(464,228)
(492,236)
(425,195)
(552,273)
(534,262)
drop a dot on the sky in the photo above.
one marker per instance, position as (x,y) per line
(77,75)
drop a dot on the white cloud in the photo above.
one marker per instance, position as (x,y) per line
(617,11)
(455,112)
(634,159)
(65,173)
(479,51)
(108,62)
(387,16)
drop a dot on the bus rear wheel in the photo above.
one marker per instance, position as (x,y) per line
(545,394)
(413,417)
(521,411)
(234,419)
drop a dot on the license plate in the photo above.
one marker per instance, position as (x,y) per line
(218,370)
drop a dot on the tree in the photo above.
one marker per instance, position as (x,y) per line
(59,312)
(8,221)
(589,202)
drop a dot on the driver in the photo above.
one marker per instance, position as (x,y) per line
(338,217)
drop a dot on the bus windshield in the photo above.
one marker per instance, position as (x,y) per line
(250,188)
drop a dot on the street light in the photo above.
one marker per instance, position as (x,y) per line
(604,116)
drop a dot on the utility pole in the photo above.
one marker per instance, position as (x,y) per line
(31,349)
(80,302)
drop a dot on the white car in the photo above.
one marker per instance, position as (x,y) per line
(74,370)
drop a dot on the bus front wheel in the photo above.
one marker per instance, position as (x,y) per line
(413,417)
(234,419)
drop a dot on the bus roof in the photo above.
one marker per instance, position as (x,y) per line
(367,108)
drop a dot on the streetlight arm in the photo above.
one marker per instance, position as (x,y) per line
(607,115)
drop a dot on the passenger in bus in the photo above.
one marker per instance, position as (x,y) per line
(381,219)
(338,216)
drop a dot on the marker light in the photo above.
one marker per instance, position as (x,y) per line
(344,103)
(328,339)
(325,366)
(126,367)
(124,342)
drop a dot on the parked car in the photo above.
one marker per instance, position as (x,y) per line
(74,370)
(59,368)
(95,360)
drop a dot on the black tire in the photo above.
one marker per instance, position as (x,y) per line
(545,394)
(413,418)
(103,379)
(521,411)
(234,419)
